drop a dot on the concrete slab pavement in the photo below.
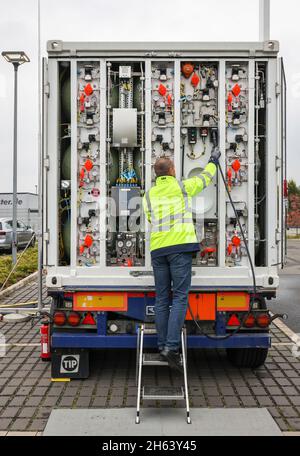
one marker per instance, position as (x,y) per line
(162,422)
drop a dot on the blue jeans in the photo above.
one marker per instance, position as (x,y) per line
(171,269)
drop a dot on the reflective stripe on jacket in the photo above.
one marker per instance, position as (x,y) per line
(168,207)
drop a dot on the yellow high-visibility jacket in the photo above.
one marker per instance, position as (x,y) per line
(168,207)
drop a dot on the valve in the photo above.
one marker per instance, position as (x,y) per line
(187,69)
(169,99)
(195,80)
(236,90)
(234,247)
(81,174)
(162,90)
(229,179)
(236,166)
(88,165)
(81,102)
(88,241)
(230,101)
(88,90)
(236,242)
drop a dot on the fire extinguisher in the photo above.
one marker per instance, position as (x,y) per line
(45,341)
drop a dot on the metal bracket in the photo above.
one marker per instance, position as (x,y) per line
(141,273)
(147,273)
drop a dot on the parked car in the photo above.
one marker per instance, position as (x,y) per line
(24,234)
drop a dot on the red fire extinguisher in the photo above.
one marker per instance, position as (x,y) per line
(45,341)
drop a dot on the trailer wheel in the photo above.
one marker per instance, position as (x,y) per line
(247,357)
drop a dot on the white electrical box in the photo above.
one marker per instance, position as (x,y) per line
(125,72)
(110,116)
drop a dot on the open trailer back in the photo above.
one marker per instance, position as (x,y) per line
(110,109)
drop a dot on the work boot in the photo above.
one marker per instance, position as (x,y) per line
(160,350)
(173,358)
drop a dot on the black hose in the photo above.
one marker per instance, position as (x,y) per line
(251,266)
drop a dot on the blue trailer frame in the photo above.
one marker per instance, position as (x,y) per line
(137,310)
(94,341)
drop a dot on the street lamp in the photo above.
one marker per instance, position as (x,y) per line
(17,58)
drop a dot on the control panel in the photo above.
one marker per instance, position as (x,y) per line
(88,148)
(237,108)
(118,116)
(199,127)
(162,112)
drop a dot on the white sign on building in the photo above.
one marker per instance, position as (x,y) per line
(27,208)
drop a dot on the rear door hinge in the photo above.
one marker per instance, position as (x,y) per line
(47,89)
(278,163)
(278,89)
(46,236)
(278,236)
(47,163)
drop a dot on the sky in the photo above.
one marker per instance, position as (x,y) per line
(130,20)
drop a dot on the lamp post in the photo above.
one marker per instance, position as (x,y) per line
(17,58)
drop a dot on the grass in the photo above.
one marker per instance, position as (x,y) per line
(27,265)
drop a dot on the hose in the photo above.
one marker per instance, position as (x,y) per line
(227,336)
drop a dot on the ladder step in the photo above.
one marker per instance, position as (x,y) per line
(163,393)
(153,359)
(149,331)
(149,328)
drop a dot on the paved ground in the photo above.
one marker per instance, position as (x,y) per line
(288,299)
(27,394)
(27,293)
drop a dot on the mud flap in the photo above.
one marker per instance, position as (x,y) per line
(70,363)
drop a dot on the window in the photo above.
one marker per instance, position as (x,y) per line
(20,225)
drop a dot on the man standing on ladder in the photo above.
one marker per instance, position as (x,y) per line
(167,206)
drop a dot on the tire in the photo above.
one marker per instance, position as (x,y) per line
(32,243)
(247,357)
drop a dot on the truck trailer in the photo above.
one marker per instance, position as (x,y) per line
(110,109)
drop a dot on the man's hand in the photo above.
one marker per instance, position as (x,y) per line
(215,155)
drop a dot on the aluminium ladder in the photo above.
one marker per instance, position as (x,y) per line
(155,359)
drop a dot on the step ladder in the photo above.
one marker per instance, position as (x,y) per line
(160,393)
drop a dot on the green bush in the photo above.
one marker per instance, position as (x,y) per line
(27,265)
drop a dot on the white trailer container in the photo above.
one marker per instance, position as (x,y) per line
(110,109)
